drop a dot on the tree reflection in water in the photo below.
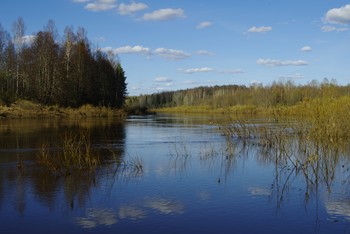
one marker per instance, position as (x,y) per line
(298,165)
(19,184)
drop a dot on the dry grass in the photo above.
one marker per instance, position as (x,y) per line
(28,109)
(74,155)
(307,138)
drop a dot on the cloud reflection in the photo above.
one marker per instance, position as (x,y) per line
(257,191)
(97,217)
(204,196)
(131,212)
(339,208)
(165,206)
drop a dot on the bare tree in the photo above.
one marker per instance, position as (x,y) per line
(18,29)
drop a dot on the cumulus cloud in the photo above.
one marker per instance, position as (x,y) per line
(205,24)
(292,77)
(338,15)
(171,54)
(261,29)
(128,50)
(163,79)
(306,49)
(101,5)
(233,71)
(328,28)
(28,39)
(197,70)
(278,63)
(204,52)
(164,14)
(133,7)
(190,82)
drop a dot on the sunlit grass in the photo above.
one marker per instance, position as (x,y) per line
(307,138)
(29,109)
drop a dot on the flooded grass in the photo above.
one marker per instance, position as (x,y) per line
(272,170)
(75,154)
(309,145)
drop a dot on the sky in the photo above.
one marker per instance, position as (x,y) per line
(166,45)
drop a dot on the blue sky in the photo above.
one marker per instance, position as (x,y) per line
(178,44)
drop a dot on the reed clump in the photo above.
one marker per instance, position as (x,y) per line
(76,154)
(308,138)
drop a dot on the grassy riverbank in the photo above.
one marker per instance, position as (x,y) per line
(323,117)
(28,109)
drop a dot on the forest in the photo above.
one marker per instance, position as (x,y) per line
(274,95)
(53,70)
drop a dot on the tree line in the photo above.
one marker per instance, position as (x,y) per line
(64,71)
(276,94)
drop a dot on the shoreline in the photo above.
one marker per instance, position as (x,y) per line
(27,109)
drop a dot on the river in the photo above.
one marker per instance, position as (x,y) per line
(176,174)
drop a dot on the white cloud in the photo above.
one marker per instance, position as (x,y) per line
(164,14)
(233,71)
(100,39)
(328,28)
(171,54)
(292,77)
(278,63)
(261,29)
(204,52)
(163,79)
(306,49)
(197,70)
(28,39)
(128,50)
(125,9)
(190,82)
(338,15)
(204,25)
(101,5)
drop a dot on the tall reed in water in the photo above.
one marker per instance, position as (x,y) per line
(75,154)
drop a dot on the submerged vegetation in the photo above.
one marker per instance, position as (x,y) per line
(309,139)
(75,154)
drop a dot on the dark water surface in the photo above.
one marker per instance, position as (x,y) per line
(189,182)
